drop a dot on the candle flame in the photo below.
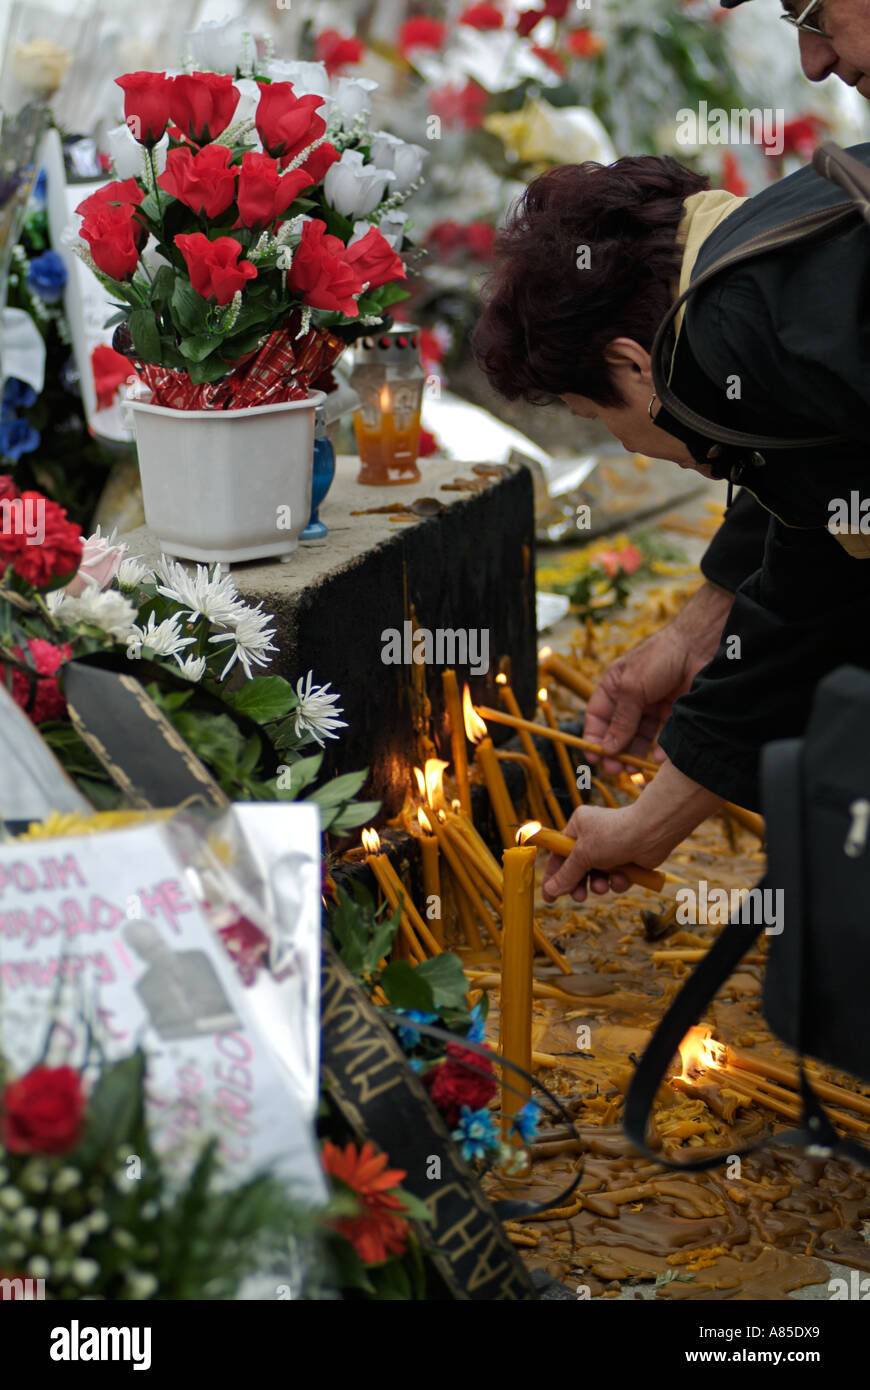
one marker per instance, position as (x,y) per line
(526,831)
(455,805)
(638,779)
(543,695)
(421,780)
(697,1053)
(434,778)
(501,678)
(371,841)
(384,399)
(424,820)
(475,729)
(544,653)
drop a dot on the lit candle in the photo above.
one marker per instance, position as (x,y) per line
(379,865)
(564,673)
(468,898)
(484,756)
(543,777)
(516,977)
(457,738)
(532,833)
(431,874)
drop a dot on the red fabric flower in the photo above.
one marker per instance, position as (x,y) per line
(447,237)
(421,32)
(287,124)
(321,273)
(203,181)
(39,696)
(428,444)
(202,104)
(464,106)
(732,181)
(379,1231)
(458,1081)
(125,192)
(115,238)
(582,43)
(248,946)
(483,16)
(480,240)
(43,1111)
(214,266)
(556,9)
(110,370)
(8,488)
(146,104)
(801,135)
(59,552)
(432,349)
(320,160)
(528,20)
(374,260)
(551,58)
(264,192)
(335,51)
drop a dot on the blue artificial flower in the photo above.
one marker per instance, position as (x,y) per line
(17,395)
(17,437)
(47,277)
(525,1122)
(476,1032)
(476,1134)
(410,1037)
(38,192)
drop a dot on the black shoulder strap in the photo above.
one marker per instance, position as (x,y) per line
(811,227)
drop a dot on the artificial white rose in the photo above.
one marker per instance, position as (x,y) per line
(307,78)
(391,227)
(249,98)
(406,161)
(353,96)
(217,45)
(353,188)
(127,154)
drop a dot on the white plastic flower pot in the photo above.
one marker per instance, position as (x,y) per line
(227,485)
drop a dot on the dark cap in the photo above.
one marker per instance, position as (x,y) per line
(730,4)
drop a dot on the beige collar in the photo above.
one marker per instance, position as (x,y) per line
(702,213)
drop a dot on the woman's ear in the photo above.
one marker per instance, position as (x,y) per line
(624,354)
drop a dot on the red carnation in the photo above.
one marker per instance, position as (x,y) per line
(319,160)
(288,124)
(460,105)
(482,17)
(115,238)
(8,488)
(203,181)
(146,104)
(110,370)
(421,32)
(202,104)
(335,51)
(320,272)
(43,1111)
(459,1081)
(374,260)
(265,193)
(125,192)
(214,267)
(39,695)
(56,556)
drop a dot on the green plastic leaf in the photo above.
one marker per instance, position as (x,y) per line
(145,335)
(406,988)
(196,349)
(189,309)
(339,789)
(265,698)
(446,979)
(354,814)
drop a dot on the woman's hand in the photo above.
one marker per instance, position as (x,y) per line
(644,833)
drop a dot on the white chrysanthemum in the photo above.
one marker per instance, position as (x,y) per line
(201,595)
(132,572)
(164,638)
(193,668)
(251,639)
(318,712)
(105,609)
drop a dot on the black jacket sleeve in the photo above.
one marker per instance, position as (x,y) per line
(737,549)
(805,612)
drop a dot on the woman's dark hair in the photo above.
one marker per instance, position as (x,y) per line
(587,255)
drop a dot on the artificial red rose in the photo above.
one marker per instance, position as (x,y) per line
(582,43)
(556,9)
(58,554)
(335,51)
(421,32)
(552,59)
(43,1111)
(115,238)
(39,696)
(265,193)
(374,260)
(201,104)
(125,192)
(528,20)
(465,1078)
(447,237)
(111,369)
(288,124)
(480,240)
(146,104)
(464,106)
(203,181)
(214,267)
(320,160)
(321,273)
(482,17)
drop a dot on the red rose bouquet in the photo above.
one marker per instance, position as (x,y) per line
(261,233)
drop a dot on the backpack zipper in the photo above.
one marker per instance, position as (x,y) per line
(857,836)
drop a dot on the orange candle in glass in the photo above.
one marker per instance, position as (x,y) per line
(389,381)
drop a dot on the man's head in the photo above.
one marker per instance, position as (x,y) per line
(834,38)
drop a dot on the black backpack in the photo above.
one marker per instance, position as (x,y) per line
(816,802)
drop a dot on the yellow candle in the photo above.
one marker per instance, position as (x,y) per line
(568,774)
(565,674)
(453,706)
(467,897)
(534,834)
(376,864)
(540,771)
(502,806)
(516,977)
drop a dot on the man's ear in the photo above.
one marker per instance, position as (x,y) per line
(626,354)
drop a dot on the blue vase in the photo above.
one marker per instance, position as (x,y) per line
(321,478)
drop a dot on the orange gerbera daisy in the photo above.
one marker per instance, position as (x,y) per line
(377,1231)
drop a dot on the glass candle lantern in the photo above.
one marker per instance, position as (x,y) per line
(388,378)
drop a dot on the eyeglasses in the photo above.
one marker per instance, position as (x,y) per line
(799,21)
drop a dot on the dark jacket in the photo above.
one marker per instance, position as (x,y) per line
(793,328)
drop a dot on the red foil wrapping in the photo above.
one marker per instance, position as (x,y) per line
(285,368)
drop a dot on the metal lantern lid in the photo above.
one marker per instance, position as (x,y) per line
(399,344)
